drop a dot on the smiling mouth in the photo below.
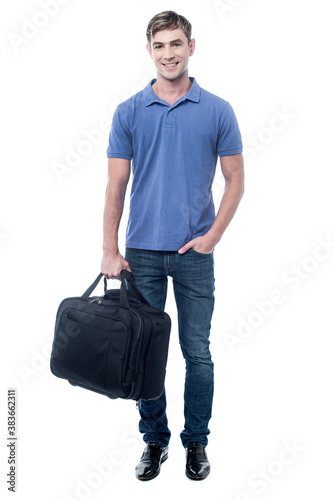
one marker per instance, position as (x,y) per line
(170,65)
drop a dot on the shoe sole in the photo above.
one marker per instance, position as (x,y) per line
(157,473)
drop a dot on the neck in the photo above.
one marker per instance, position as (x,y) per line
(172,90)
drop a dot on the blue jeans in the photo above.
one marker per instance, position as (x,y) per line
(193,285)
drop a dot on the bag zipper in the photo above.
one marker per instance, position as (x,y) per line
(98,300)
(114,318)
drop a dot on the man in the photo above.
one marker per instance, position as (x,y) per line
(173,132)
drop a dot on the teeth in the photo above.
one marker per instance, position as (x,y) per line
(174,64)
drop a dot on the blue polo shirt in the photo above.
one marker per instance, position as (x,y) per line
(174,151)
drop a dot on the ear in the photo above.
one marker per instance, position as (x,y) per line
(192,46)
(149,50)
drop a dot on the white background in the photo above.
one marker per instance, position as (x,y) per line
(274,381)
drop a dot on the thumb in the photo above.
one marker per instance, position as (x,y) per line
(127,267)
(184,248)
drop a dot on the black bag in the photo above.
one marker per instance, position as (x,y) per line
(116,344)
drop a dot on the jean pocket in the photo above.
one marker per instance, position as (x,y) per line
(202,254)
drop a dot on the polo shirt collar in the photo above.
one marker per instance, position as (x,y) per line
(192,95)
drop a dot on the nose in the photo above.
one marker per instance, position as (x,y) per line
(168,53)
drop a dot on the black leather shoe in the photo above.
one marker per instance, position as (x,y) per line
(150,463)
(197,464)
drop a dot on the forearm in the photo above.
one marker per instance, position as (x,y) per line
(232,196)
(233,192)
(118,176)
(114,204)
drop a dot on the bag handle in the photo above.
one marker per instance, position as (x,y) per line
(92,287)
(124,275)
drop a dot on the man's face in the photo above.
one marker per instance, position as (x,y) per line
(170,52)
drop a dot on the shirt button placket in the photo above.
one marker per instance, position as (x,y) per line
(169,118)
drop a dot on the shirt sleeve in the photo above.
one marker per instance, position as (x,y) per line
(120,140)
(229,139)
